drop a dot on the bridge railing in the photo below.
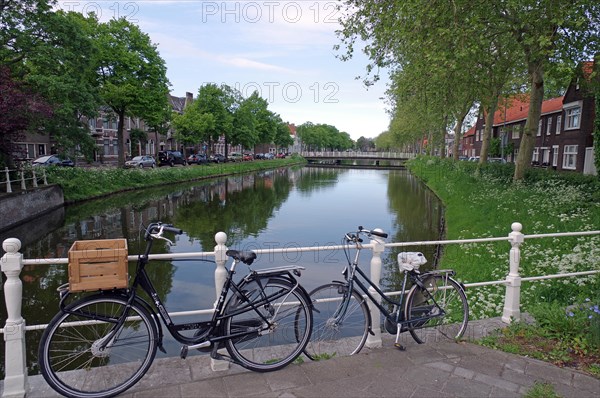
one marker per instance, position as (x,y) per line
(353,154)
(22,178)
(15,381)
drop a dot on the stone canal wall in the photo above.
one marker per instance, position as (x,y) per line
(20,207)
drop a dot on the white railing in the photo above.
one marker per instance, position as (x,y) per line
(355,155)
(15,381)
(24,178)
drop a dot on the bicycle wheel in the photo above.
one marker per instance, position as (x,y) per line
(82,355)
(430,324)
(258,346)
(344,337)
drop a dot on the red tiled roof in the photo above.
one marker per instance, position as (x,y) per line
(470,132)
(587,68)
(517,107)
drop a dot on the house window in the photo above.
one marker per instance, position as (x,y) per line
(545,156)
(573,118)
(536,155)
(555,155)
(539,132)
(516,132)
(41,149)
(558,123)
(106,147)
(115,144)
(549,126)
(570,157)
(92,123)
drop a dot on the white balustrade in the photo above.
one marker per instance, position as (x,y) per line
(15,382)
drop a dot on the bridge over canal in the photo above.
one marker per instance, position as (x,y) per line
(337,159)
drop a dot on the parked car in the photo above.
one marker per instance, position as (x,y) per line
(197,158)
(247,157)
(171,158)
(280,155)
(474,159)
(496,160)
(53,160)
(234,157)
(259,156)
(217,158)
(141,162)
(269,156)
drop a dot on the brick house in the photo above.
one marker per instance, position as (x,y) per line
(564,139)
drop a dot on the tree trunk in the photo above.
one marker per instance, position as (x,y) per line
(536,73)
(120,138)
(489,126)
(458,134)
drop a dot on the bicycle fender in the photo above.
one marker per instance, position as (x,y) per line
(284,276)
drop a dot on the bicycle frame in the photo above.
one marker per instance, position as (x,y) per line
(209,330)
(351,278)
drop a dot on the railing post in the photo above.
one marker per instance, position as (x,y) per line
(23,186)
(44,174)
(34,177)
(220,277)
(15,379)
(512,300)
(374,341)
(8,186)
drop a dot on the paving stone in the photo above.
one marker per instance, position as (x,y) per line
(241,384)
(496,382)
(456,386)
(206,388)
(586,383)
(289,377)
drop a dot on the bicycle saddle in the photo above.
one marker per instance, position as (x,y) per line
(245,257)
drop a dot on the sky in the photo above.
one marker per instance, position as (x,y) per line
(282,49)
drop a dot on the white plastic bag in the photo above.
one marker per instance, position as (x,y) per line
(408,261)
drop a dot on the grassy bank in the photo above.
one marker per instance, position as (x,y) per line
(87,183)
(484,203)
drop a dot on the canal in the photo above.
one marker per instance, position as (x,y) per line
(282,208)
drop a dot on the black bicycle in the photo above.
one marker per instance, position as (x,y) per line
(434,307)
(102,344)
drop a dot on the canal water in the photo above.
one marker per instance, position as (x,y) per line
(283,208)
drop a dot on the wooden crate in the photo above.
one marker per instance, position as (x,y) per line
(98,265)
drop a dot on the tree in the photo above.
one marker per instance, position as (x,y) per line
(20,29)
(548,33)
(61,70)
(366,144)
(50,53)
(213,100)
(131,75)
(245,130)
(192,126)
(283,138)
(21,111)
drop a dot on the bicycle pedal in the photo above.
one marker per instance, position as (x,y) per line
(184,352)
(400,346)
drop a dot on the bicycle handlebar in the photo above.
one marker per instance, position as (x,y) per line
(381,234)
(353,236)
(159,228)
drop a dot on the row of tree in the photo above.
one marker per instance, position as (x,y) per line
(447,57)
(221,111)
(323,137)
(61,68)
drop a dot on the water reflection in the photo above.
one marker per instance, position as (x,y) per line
(283,208)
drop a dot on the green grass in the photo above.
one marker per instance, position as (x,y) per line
(80,183)
(541,390)
(484,202)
